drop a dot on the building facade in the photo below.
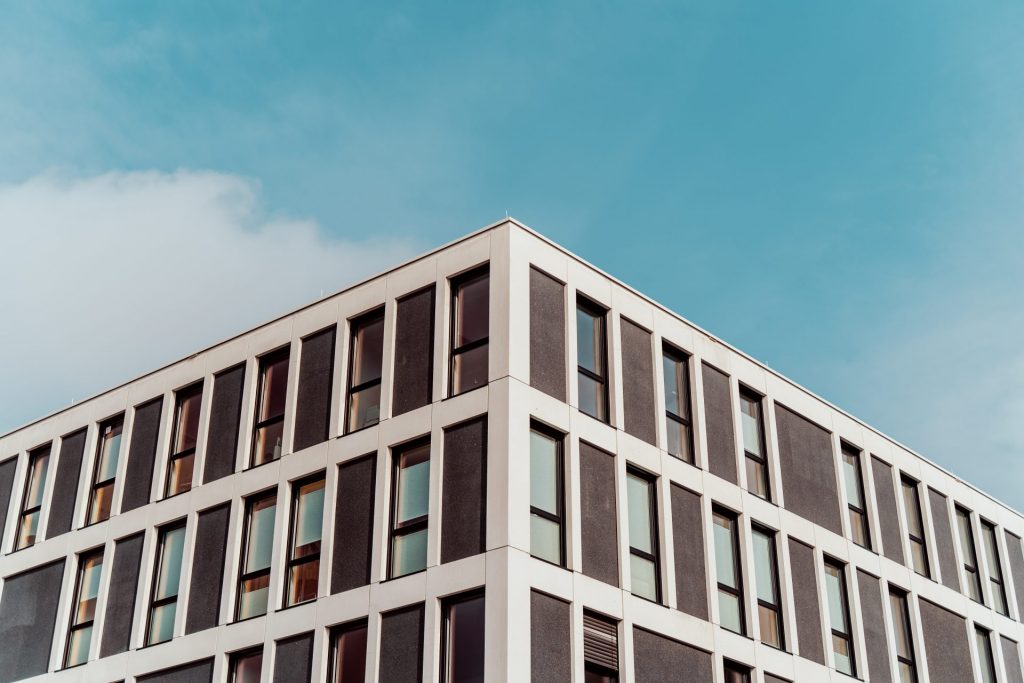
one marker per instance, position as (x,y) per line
(492,463)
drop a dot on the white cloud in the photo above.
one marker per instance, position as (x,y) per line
(110,276)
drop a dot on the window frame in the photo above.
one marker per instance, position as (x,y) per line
(597,311)
(239,655)
(902,597)
(355,324)
(680,359)
(1000,602)
(756,398)
(83,558)
(398,529)
(733,668)
(986,659)
(112,481)
(455,284)
(263,364)
(559,439)
(180,396)
(969,565)
(906,483)
(652,503)
(250,502)
(737,566)
(334,634)
(773,556)
(607,630)
(446,633)
(292,562)
(44,451)
(844,600)
(154,602)
(849,451)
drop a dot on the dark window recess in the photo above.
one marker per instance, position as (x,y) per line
(32,501)
(547,498)
(592,358)
(348,653)
(972,577)
(678,424)
(470,322)
(462,653)
(83,609)
(254,568)
(915,526)
(752,422)
(366,362)
(905,660)
(410,496)
(8,470)
(163,602)
(736,673)
(995,568)
(104,474)
(268,434)
(857,511)
(641,497)
(766,575)
(304,545)
(730,576)
(839,618)
(600,648)
(247,666)
(181,463)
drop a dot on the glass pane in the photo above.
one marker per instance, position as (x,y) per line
(37,481)
(998,597)
(678,439)
(471,311)
(249,669)
(750,419)
(110,450)
(368,351)
(303,580)
(963,523)
(851,474)
(102,498)
(592,398)
(764,567)
(179,476)
(274,388)
(413,484)
(187,421)
(724,562)
(987,666)
(350,656)
(973,583)
(252,600)
(594,676)
(172,546)
(161,623)
(834,590)
(644,579)
(364,408)
(900,625)
(841,648)
(729,612)
(469,369)
(907,674)
(757,478)
(261,535)
(735,674)
(769,623)
(590,342)
(676,389)
(268,443)
(641,530)
(309,519)
(27,532)
(409,553)
(78,646)
(920,557)
(912,510)
(545,539)
(544,472)
(859,528)
(465,656)
(89,589)
(988,533)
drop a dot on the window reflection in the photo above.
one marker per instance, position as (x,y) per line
(470,321)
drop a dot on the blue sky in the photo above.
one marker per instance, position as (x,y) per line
(834,188)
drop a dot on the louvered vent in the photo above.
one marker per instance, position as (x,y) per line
(600,641)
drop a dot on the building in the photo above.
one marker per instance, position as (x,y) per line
(494,462)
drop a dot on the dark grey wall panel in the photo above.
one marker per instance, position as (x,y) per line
(8,468)
(550,639)
(313,397)
(293,660)
(353,526)
(688,547)
(401,645)
(65,485)
(888,515)
(28,611)
(600,546)
(944,540)
(464,490)
(657,659)
(208,568)
(414,352)
(718,424)
(805,601)
(547,334)
(117,625)
(945,642)
(808,469)
(1011,659)
(138,478)
(638,407)
(225,420)
(874,628)
(1016,556)
(193,672)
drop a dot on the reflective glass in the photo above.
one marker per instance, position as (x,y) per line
(543,472)
(253,599)
(172,546)
(900,625)
(638,495)
(917,551)
(750,419)
(364,408)
(907,674)
(676,389)
(268,443)
(545,539)
(592,398)
(102,497)
(841,648)
(858,527)
(309,519)
(590,341)
(678,439)
(912,509)
(274,388)
(769,624)
(37,479)
(80,641)
(851,475)
(409,553)
(110,450)
(303,581)
(465,646)
(161,623)
(187,420)
(757,478)
(368,351)
(179,476)
(350,656)
(764,567)
(92,569)
(834,591)
(469,369)
(729,612)
(248,668)
(471,311)
(413,484)
(27,532)
(986,663)
(261,535)
(643,576)
(724,558)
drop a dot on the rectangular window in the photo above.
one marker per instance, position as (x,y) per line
(972,577)
(366,362)
(856,509)
(752,420)
(986,663)
(643,535)
(410,495)
(463,639)
(470,323)
(348,653)
(766,574)
(915,526)
(727,568)
(547,500)
(32,503)
(592,359)
(163,602)
(304,547)
(268,436)
(904,640)
(600,648)
(736,673)
(678,429)
(995,569)
(83,610)
(105,473)
(183,439)
(839,618)
(254,576)
(247,666)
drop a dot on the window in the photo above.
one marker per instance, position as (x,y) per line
(972,577)
(753,443)
(83,610)
(163,602)
(678,428)
(247,666)
(727,567)
(915,527)
(643,535)
(268,436)
(304,547)
(463,645)
(839,618)
(904,640)
(995,570)
(254,580)
(856,509)
(366,360)
(736,673)
(410,494)
(183,441)
(766,574)
(547,501)
(107,454)
(986,663)
(592,359)
(348,653)
(35,488)
(470,313)
(600,648)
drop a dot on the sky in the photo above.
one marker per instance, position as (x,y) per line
(837,189)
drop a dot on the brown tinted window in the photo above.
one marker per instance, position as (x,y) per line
(32,503)
(247,667)
(365,365)
(348,654)
(268,436)
(304,548)
(108,453)
(463,640)
(181,464)
(470,316)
